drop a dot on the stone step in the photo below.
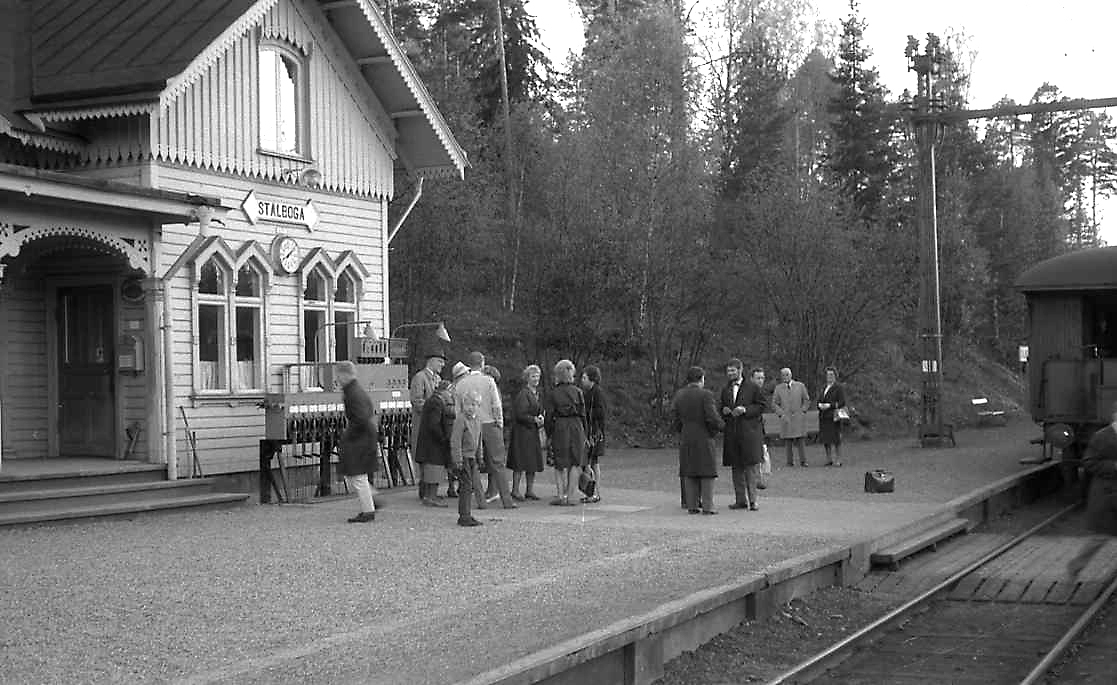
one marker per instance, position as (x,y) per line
(49,496)
(74,511)
(143,473)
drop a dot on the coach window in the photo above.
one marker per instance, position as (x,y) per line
(282,92)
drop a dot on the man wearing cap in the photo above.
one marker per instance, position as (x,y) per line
(423,385)
(491,415)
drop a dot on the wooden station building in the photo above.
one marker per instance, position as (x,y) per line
(193,195)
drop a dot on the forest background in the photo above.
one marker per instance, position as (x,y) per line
(650,205)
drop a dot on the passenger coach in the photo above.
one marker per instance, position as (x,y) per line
(1072,345)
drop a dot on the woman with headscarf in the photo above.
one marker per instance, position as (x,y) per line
(564,418)
(432,443)
(525,451)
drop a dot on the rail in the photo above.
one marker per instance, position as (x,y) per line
(833,654)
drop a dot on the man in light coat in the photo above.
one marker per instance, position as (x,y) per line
(792,402)
(491,414)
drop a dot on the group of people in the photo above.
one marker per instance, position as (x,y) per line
(738,414)
(460,427)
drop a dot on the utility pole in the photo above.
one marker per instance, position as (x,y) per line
(927,129)
(508,166)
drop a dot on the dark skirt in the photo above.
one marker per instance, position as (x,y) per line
(525,452)
(829,431)
(568,442)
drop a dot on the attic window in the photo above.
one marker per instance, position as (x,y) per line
(282,90)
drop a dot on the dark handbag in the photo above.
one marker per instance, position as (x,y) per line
(879,480)
(586,484)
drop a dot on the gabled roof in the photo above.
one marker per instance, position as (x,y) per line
(103,53)
(92,48)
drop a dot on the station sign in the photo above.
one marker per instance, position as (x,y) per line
(282,211)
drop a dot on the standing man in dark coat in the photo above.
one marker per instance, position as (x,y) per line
(359,448)
(742,406)
(697,421)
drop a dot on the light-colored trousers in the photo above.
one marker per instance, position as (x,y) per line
(363,489)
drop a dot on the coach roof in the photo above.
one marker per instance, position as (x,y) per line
(1090,269)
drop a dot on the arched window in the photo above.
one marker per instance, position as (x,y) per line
(249,321)
(229,315)
(345,314)
(282,90)
(212,298)
(316,307)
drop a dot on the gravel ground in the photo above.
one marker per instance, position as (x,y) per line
(292,593)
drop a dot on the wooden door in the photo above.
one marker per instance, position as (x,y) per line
(86,399)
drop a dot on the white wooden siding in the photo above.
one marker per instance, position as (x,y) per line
(214,122)
(229,431)
(25,401)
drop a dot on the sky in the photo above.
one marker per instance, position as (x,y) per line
(1017,46)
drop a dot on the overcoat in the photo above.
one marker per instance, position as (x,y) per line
(829,430)
(435,422)
(792,402)
(524,450)
(359,447)
(564,418)
(697,422)
(744,434)
(1100,461)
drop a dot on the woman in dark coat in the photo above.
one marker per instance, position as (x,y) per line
(1100,462)
(564,418)
(831,398)
(525,450)
(697,422)
(595,427)
(432,443)
(359,446)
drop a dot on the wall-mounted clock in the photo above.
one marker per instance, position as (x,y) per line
(285,251)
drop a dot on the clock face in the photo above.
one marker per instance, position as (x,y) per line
(287,254)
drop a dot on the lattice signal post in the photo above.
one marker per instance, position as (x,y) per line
(928,130)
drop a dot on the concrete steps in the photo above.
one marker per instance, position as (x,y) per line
(64,496)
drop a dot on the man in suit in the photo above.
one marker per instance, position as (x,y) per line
(696,420)
(792,402)
(742,407)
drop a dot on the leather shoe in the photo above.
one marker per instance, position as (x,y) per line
(693,511)
(363,517)
(735,505)
(753,507)
(469,522)
(708,512)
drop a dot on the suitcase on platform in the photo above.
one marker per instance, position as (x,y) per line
(879,480)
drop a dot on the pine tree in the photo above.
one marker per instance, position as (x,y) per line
(862,157)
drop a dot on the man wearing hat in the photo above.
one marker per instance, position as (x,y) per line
(423,385)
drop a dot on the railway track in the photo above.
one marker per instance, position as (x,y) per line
(1007,617)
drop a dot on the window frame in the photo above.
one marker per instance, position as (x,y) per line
(318,263)
(251,256)
(284,50)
